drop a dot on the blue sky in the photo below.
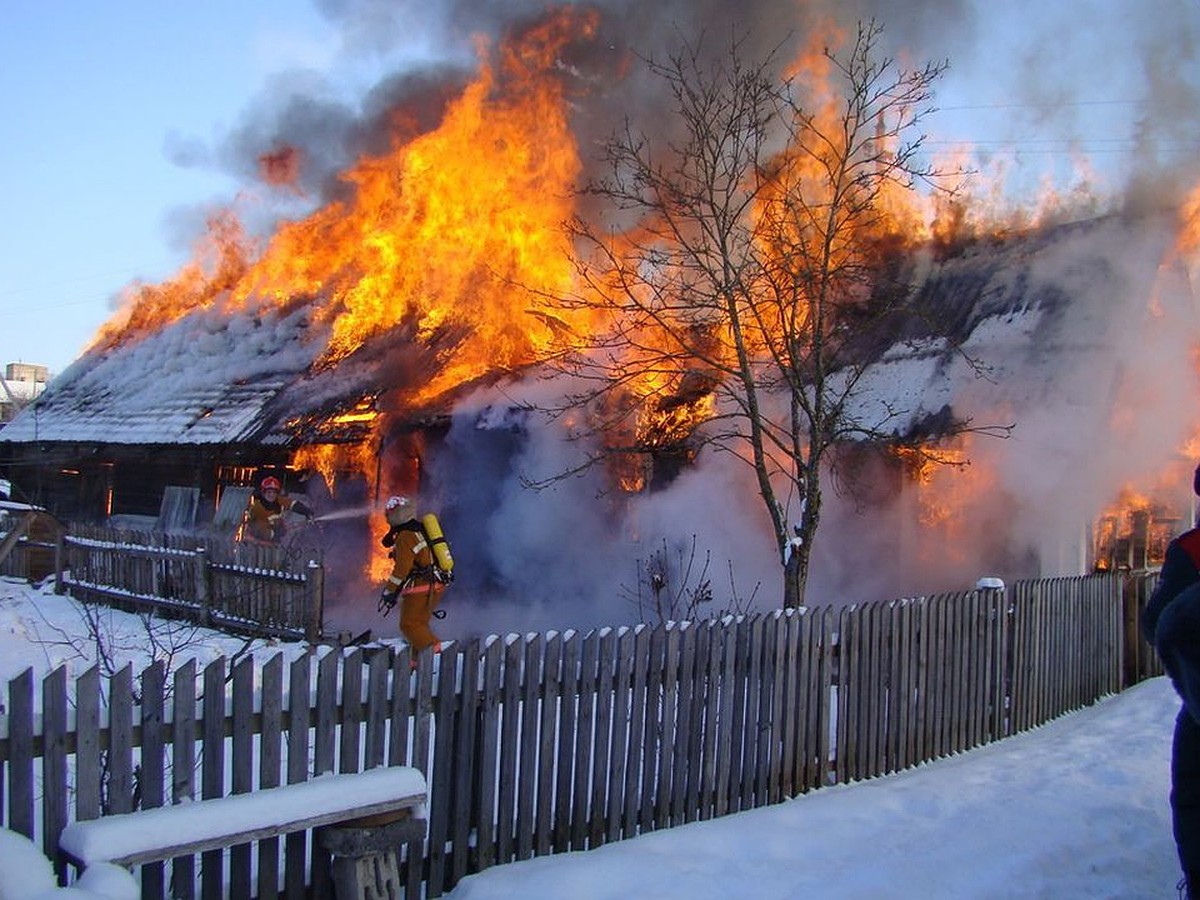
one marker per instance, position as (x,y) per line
(117,116)
(95,95)
(112,114)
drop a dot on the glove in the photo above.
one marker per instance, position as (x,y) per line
(387,600)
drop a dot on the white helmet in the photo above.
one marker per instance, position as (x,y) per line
(398,510)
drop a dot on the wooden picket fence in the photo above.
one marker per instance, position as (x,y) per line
(541,744)
(251,589)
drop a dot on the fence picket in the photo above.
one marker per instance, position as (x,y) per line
(585,732)
(619,758)
(762,721)
(488,766)
(686,801)
(509,757)
(298,727)
(605,688)
(183,767)
(242,781)
(527,759)
(669,732)
(743,748)
(568,696)
(846,658)
(212,772)
(442,782)
(151,779)
(634,773)
(465,744)
(377,709)
(650,751)
(87,745)
(54,764)
(270,766)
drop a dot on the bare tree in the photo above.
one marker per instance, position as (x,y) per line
(743,276)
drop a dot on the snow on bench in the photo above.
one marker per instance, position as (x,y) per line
(151,835)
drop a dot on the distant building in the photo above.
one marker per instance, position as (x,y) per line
(21,385)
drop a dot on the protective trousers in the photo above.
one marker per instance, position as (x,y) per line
(1185,795)
(417,603)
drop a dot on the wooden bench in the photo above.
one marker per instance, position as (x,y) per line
(349,800)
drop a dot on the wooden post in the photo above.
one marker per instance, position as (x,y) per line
(59,557)
(314,620)
(366,862)
(203,598)
(1139,539)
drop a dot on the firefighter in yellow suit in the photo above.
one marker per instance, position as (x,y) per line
(263,521)
(415,579)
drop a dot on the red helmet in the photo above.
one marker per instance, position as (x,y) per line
(270,483)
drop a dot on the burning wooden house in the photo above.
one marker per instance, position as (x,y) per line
(345,346)
(211,399)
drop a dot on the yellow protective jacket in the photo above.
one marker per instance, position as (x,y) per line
(262,522)
(411,555)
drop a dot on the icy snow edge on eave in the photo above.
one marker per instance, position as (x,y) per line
(203,379)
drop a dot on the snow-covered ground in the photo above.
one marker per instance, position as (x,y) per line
(1074,809)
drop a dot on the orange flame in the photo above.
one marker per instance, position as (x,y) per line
(221,261)
(459,227)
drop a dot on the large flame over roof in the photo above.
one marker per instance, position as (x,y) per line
(459,227)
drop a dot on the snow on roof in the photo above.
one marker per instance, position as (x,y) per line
(1037,321)
(206,378)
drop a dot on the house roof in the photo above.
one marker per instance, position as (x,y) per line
(1038,312)
(207,378)
(1049,321)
